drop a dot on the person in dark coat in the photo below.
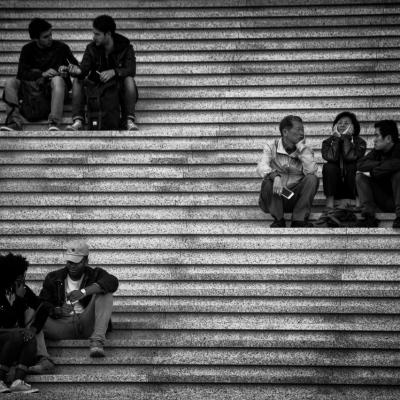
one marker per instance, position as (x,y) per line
(42,60)
(18,338)
(378,175)
(81,301)
(110,56)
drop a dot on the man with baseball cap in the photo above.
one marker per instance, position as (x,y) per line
(81,299)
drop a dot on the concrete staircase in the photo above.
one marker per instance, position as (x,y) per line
(212,303)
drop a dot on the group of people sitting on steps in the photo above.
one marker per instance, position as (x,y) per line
(75,302)
(44,74)
(357,182)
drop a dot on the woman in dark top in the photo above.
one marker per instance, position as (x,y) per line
(17,339)
(341,151)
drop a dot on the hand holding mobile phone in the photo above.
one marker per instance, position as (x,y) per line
(286,193)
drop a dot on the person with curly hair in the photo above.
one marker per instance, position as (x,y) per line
(17,339)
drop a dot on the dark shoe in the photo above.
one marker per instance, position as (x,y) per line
(77,125)
(43,367)
(368,221)
(96,349)
(13,126)
(130,125)
(322,221)
(396,223)
(53,126)
(278,223)
(301,224)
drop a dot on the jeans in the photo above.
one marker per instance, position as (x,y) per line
(341,187)
(91,324)
(128,98)
(300,204)
(13,348)
(382,193)
(57,84)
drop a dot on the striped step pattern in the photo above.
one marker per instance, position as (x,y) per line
(213,304)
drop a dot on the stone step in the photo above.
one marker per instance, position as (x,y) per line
(207,227)
(237,44)
(242,272)
(302,10)
(248,22)
(333,240)
(133,357)
(211,391)
(242,339)
(232,305)
(85,35)
(143,58)
(222,374)
(284,290)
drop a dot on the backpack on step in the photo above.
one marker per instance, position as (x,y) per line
(35,103)
(103,105)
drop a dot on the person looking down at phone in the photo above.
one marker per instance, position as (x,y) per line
(287,165)
(82,301)
(341,150)
(18,339)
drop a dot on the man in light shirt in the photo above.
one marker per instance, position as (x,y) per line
(288,163)
(81,298)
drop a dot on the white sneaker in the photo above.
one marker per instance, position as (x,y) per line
(131,126)
(19,386)
(4,388)
(77,125)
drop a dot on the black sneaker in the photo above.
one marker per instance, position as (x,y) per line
(301,224)
(369,221)
(396,223)
(278,223)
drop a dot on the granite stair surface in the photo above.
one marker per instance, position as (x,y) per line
(212,303)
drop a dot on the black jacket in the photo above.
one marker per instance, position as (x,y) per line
(53,290)
(35,60)
(122,59)
(12,316)
(380,164)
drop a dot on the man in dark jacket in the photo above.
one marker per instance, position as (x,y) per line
(110,56)
(81,299)
(378,176)
(41,60)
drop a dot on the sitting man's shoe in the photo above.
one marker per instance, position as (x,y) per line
(278,223)
(77,125)
(396,223)
(12,126)
(20,386)
(44,367)
(4,388)
(369,221)
(301,224)
(130,125)
(53,126)
(96,349)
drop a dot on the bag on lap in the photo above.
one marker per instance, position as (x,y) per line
(103,106)
(35,101)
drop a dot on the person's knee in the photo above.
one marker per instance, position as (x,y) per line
(57,83)
(12,82)
(311,181)
(361,178)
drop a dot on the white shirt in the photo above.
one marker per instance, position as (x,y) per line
(70,286)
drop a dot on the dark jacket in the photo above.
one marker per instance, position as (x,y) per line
(122,59)
(53,290)
(343,151)
(380,164)
(12,316)
(35,60)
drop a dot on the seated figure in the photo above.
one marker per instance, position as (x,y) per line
(288,163)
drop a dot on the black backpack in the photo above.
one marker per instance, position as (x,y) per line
(103,105)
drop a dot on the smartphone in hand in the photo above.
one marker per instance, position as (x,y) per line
(286,193)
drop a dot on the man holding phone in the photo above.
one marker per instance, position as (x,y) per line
(82,301)
(288,169)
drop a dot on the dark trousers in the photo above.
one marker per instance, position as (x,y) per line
(128,98)
(300,204)
(382,193)
(338,185)
(14,349)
